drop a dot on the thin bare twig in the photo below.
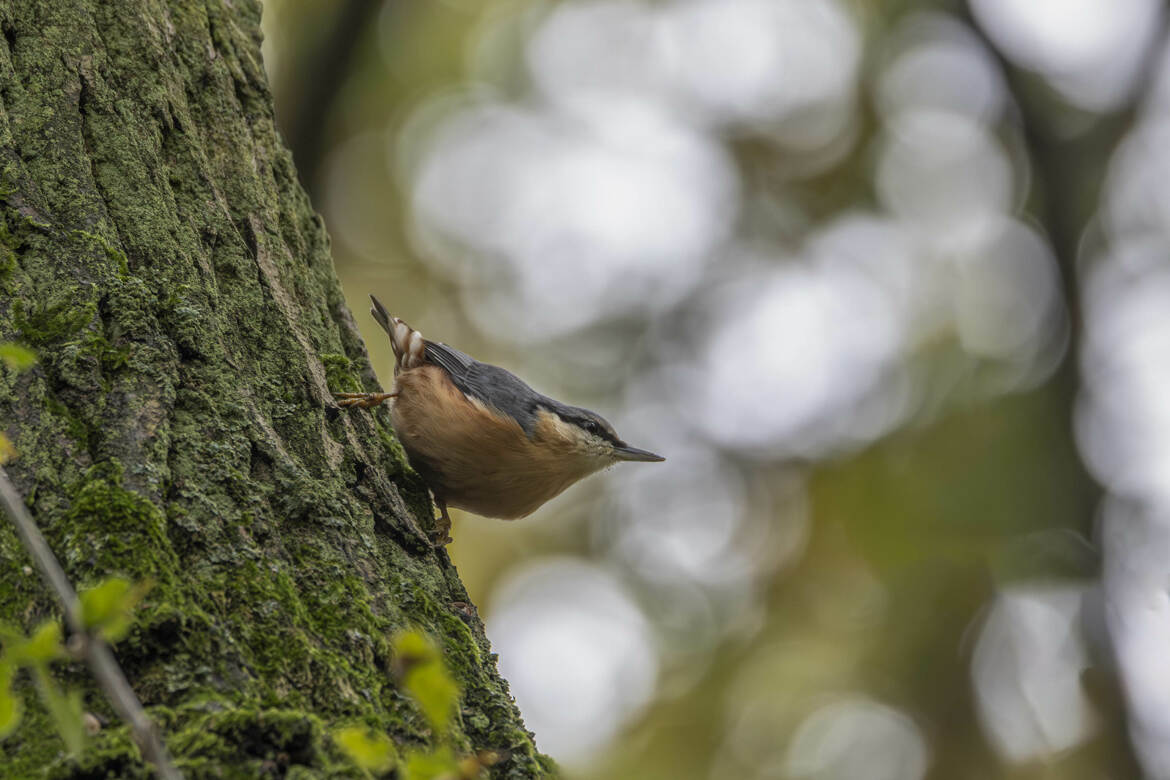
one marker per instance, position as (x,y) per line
(92,647)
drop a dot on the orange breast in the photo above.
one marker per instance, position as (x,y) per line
(474,458)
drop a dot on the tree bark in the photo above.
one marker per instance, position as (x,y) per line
(159,255)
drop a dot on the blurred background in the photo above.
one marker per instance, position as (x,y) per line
(888,282)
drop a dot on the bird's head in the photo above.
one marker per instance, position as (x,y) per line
(587,435)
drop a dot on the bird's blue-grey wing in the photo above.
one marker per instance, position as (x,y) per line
(451,360)
(494,386)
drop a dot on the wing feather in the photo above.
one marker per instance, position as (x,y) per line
(451,360)
(494,386)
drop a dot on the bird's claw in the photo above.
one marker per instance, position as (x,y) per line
(362,400)
(442,535)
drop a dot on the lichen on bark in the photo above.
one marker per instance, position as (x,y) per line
(159,255)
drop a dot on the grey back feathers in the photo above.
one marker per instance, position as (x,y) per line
(501,389)
(494,386)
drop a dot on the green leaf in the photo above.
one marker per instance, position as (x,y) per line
(10,706)
(7,451)
(16,356)
(412,647)
(430,766)
(423,675)
(65,709)
(436,693)
(43,646)
(365,748)
(106,608)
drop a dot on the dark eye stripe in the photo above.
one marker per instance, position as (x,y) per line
(597,429)
(585,422)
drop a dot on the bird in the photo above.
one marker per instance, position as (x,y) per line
(481,439)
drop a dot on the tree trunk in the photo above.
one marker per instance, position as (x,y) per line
(159,255)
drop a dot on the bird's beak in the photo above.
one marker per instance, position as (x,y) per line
(633,453)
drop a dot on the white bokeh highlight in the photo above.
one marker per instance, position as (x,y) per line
(804,344)
(763,61)
(1090,50)
(611,210)
(1027,670)
(1137,612)
(1122,423)
(944,173)
(576,651)
(936,63)
(857,739)
(722,63)
(1007,303)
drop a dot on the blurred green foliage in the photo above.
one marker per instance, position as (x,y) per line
(16,356)
(424,677)
(370,751)
(904,541)
(106,611)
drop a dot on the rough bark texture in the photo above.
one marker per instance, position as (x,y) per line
(159,255)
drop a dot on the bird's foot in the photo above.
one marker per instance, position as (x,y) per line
(362,400)
(442,536)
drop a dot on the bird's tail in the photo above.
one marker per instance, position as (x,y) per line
(407,343)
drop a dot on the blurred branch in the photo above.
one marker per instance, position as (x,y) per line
(318,84)
(90,646)
(1069,167)
(1068,171)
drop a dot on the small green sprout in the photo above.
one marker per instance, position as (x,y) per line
(17,357)
(370,751)
(106,609)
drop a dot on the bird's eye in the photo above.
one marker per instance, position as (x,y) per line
(591,426)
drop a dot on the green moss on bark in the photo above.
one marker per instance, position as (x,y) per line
(160,256)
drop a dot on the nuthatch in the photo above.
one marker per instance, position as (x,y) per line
(481,438)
